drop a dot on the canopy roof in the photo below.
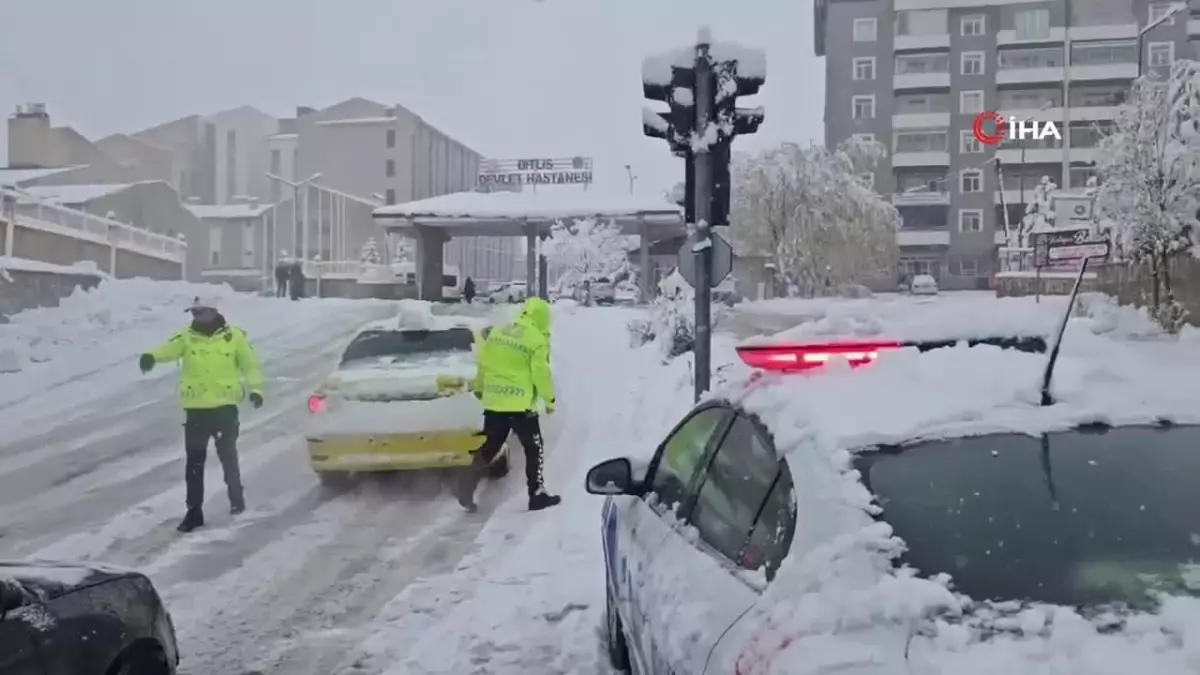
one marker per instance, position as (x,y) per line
(510,214)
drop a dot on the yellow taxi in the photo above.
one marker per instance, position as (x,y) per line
(400,399)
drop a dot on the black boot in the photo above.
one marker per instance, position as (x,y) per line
(237,508)
(464,492)
(192,520)
(543,500)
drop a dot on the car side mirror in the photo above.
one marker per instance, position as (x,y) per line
(613,477)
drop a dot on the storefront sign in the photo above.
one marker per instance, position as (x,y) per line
(516,172)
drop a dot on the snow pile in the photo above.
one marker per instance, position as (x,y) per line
(948,317)
(112,323)
(839,598)
(671,325)
(21,264)
(531,599)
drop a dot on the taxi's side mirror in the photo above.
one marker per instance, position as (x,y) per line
(613,477)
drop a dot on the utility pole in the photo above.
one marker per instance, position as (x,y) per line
(1065,183)
(699,128)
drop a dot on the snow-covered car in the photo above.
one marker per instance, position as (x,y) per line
(946,508)
(83,619)
(604,291)
(513,291)
(400,399)
(923,284)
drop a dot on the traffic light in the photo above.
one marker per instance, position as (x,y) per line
(731,82)
(677,124)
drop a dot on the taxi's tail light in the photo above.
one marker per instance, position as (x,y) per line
(791,358)
(316,404)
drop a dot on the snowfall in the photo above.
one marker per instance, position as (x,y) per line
(393,577)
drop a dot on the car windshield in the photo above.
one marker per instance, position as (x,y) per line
(1092,518)
(373,344)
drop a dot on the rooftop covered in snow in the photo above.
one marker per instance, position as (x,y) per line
(71,195)
(227,211)
(13,176)
(511,213)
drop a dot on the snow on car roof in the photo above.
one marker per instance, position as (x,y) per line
(907,318)
(432,322)
(839,581)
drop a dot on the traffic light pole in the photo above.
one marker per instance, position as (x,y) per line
(703,208)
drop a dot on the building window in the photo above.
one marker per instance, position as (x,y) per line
(276,162)
(863,107)
(864,68)
(1161,53)
(974,24)
(970,220)
(214,244)
(1041,57)
(972,63)
(970,102)
(1157,10)
(248,244)
(1032,24)
(968,144)
(390,196)
(231,186)
(921,141)
(1103,52)
(971,180)
(389,168)
(923,22)
(964,266)
(865,30)
(912,64)
(391,138)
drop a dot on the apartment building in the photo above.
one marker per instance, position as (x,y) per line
(914,74)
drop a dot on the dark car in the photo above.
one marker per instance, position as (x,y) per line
(79,619)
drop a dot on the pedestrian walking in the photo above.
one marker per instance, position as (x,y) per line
(513,376)
(469,290)
(218,370)
(282,271)
(296,280)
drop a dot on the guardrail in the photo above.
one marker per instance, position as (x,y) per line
(40,214)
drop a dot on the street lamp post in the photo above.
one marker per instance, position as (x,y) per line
(300,235)
(1141,37)
(629,170)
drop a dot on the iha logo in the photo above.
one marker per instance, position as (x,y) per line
(991,129)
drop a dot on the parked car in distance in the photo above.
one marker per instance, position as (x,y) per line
(923,284)
(604,291)
(513,291)
(82,619)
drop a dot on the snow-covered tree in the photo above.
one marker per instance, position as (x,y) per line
(402,249)
(1039,212)
(369,252)
(809,212)
(586,249)
(1149,171)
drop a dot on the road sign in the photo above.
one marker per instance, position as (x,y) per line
(1097,249)
(722,260)
(1043,241)
(1073,210)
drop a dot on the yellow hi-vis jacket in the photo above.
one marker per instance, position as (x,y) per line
(212,367)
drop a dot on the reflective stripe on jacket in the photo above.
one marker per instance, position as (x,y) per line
(212,367)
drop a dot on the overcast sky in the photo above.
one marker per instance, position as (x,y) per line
(511,78)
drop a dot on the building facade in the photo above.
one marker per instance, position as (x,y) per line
(915,74)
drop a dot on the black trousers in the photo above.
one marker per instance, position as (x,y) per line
(497,426)
(220,425)
(281,287)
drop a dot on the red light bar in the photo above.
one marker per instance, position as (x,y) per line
(316,404)
(791,358)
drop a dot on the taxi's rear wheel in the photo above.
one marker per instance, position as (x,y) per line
(335,481)
(614,637)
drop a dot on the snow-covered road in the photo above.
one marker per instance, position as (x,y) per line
(91,467)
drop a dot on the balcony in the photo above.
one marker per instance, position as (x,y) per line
(925,120)
(922,237)
(1104,71)
(1029,75)
(928,158)
(1009,37)
(921,198)
(1120,31)
(935,41)
(1095,113)
(1032,155)
(922,80)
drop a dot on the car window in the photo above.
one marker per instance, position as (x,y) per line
(682,453)
(734,487)
(1087,518)
(771,538)
(372,344)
